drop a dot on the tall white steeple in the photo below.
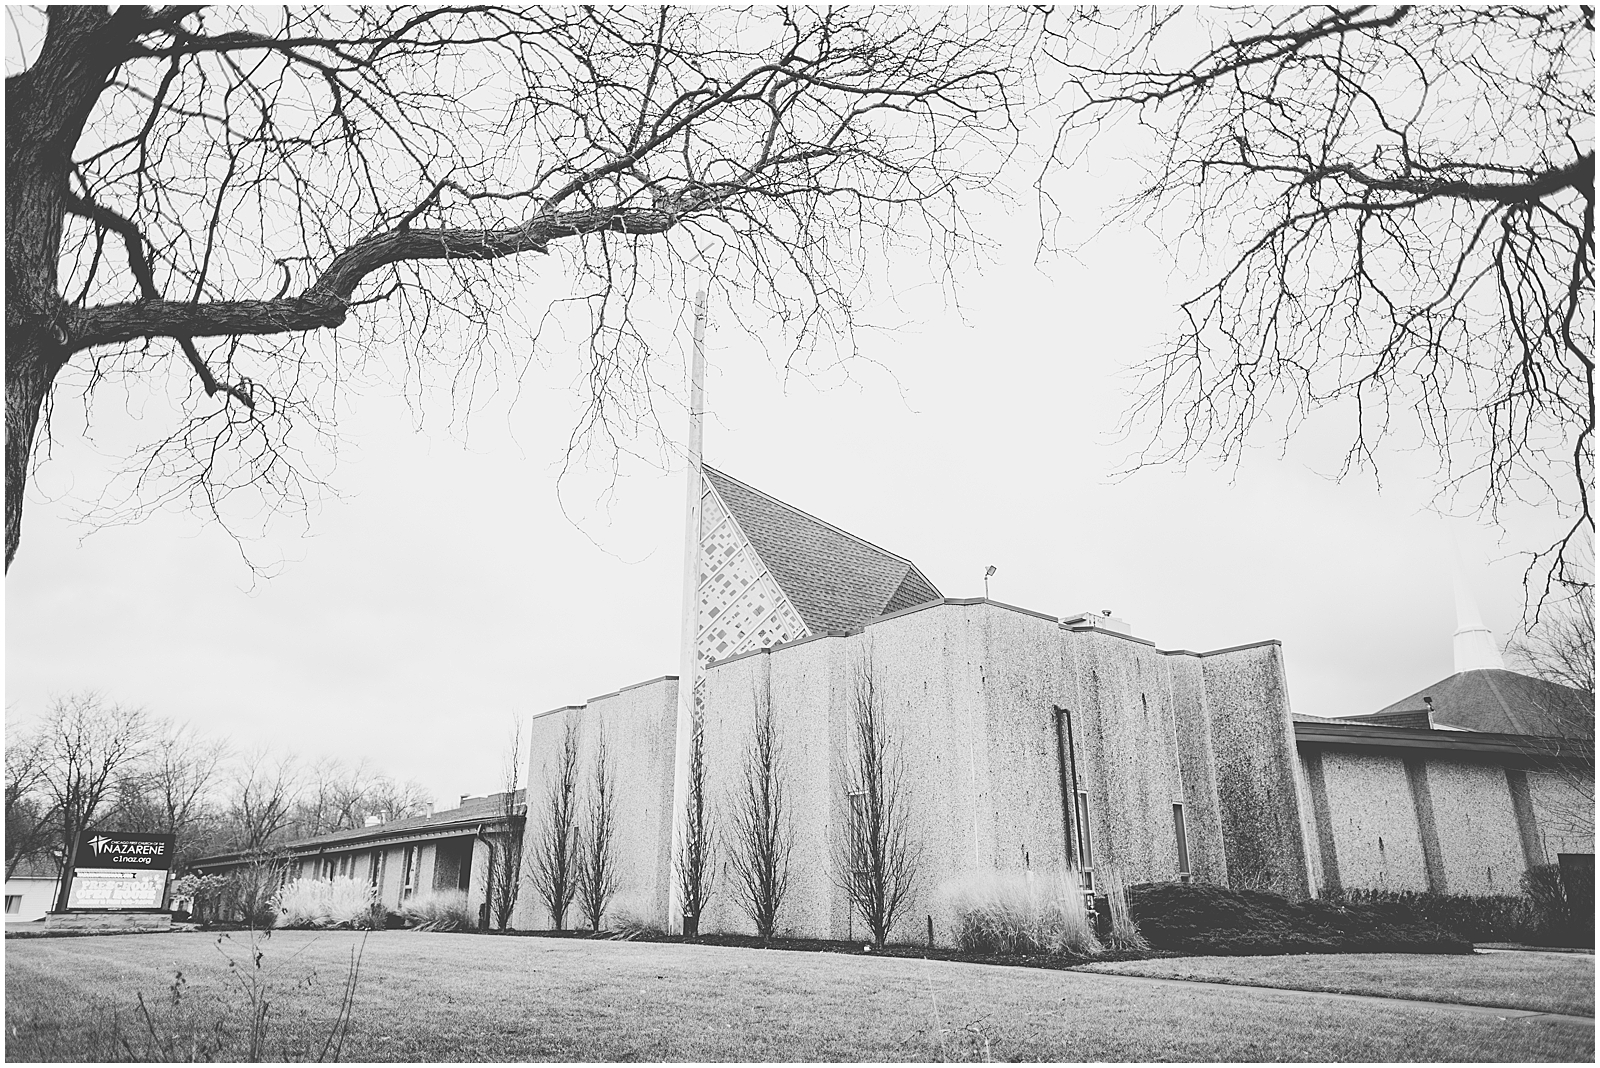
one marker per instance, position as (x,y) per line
(689,665)
(1475,646)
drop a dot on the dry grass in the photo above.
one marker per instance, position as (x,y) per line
(1544,982)
(341,902)
(439,997)
(1021,912)
(438,910)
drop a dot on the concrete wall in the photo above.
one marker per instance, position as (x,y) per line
(971,691)
(639,724)
(1563,811)
(1436,820)
(1252,739)
(1480,847)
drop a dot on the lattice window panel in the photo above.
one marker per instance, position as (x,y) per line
(740,605)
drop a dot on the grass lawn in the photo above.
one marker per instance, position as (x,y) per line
(436,997)
(1545,982)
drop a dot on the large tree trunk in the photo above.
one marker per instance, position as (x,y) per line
(46,108)
(31,367)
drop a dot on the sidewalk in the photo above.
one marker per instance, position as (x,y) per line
(1518,947)
(1374,1000)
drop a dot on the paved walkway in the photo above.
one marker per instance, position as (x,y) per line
(1368,999)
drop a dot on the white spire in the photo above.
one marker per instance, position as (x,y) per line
(689,665)
(1475,646)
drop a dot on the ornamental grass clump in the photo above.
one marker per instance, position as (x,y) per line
(440,910)
(1022,913)
(342,903)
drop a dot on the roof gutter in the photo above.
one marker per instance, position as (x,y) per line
(1408,741)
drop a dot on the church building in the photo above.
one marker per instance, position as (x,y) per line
(1031,741)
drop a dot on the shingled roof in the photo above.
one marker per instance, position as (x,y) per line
(1505,702)
(471,812)
(835,580)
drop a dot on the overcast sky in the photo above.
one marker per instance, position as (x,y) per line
(446,592)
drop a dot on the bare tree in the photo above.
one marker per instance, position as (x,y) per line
(760,823)
(393,800)
(326,788)
(505,849)
(262,802)
(350,797)
(695,866)
(877,860)
(553,864)
(597,859)
(180,778)
(224,186)
(1559,651)
(87,744)
(30,816)
(1395,211)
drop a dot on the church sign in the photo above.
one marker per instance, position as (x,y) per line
(120,870)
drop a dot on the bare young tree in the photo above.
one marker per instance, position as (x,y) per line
(760,824)
(505,849)
(877,861)
(87,745)
(597,859)
(1395,211)
(695,864)
(1559,651)
(224,188)
(553,864)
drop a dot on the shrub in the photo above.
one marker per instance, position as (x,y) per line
(1021,912)
(439,910)
(628,924)
(1200,918)
(1564,914)
(1473,917)
(332,903)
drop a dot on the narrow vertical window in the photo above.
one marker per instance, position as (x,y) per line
(1085,848)
(408,872)
(1182,834)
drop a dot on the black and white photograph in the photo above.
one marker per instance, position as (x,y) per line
(799,534)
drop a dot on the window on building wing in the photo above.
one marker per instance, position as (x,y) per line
(1085,851)
(408,872)
(1181,833)
(13,902)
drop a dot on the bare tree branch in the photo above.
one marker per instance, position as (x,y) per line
(278,176)
(1395,211)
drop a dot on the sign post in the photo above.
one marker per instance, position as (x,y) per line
(119,879)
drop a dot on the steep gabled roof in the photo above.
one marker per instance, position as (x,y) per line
(835,580)
(1504,702)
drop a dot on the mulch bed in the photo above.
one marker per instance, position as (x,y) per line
(850,948)
(1197,919)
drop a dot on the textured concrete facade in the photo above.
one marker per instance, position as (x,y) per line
(639,723)
(1389,818)
(991,708)
(1011,725)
